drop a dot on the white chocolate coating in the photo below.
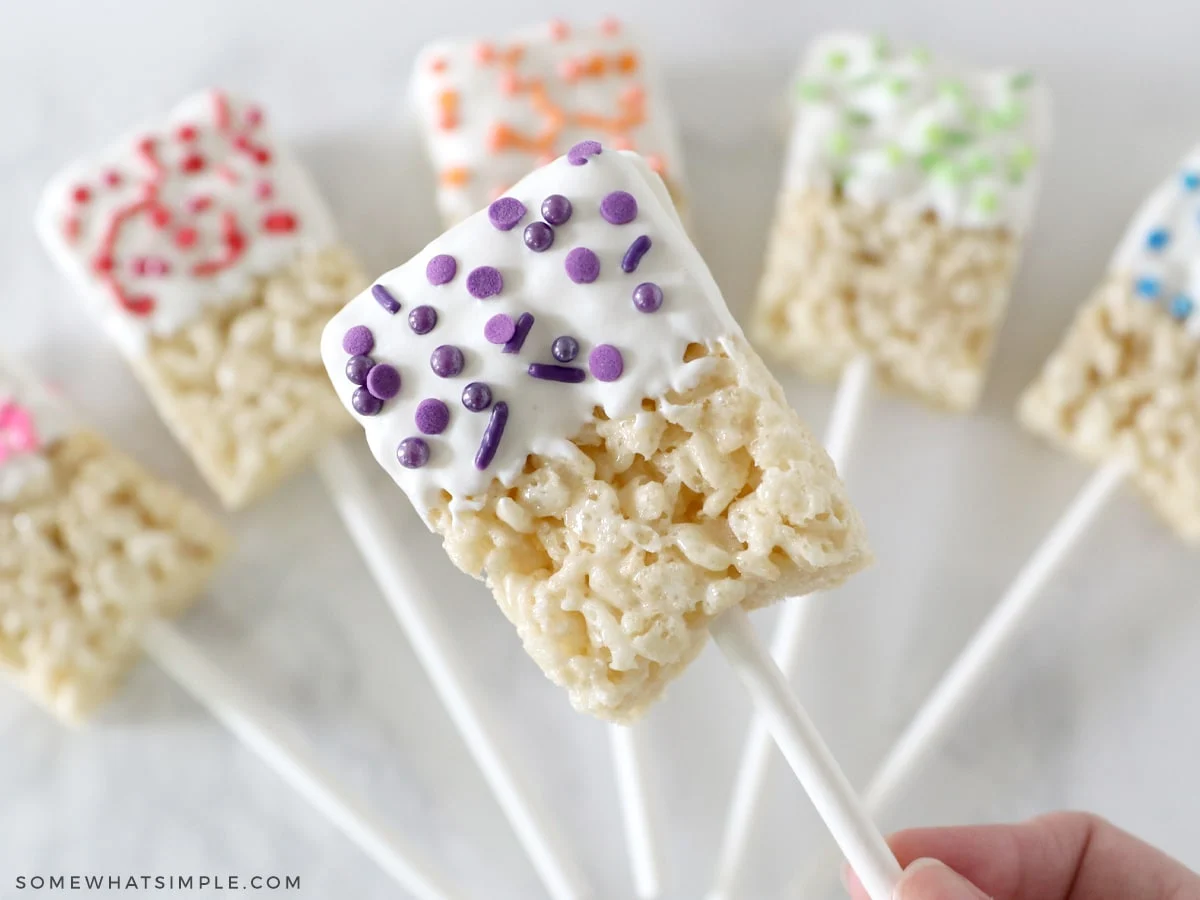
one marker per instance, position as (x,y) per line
(906,130)
(31,418)
(543,415)
(490,110)
(180,216)
(1160,251)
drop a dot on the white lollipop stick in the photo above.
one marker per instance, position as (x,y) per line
(411,596)
(641,837)
(749,787)
(964,677)
(841,810)
(283,752)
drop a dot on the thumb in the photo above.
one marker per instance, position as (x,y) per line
(928,879)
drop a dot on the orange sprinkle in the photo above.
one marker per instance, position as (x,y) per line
(595,65)
(438,64)
(456,176)
(509,83)
(499,137)
(448,121)
(513,54)
(448,101)
(611,25)
(483,52)
(621,142)
(558,29)
(627,62)
(656,164)
(570,69)
(633,94)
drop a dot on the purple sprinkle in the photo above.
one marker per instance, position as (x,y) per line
(556,209)
(383,381)
(477,396)
(432,416)
(605,363)
(633,256)
(447,361)
(578,155)
(484,282)
(357,368)
(385,299)
(647,297)
(506,212)
(499,329)
(538,236)
(517,341)
(441,269)
(565,374)
(412,453)
(583,266)
(422,319)
(565,348)
(358,341)
(364,403)
(491,436)
(619,208)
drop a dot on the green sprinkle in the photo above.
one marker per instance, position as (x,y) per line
(858,118)
(1023,157)
(935,135)
(837,60)
(930,160)
(955,90)
(898,86)
(807,89)
(948,171)
(987,202)
(921,56)
(1010,115)
(1021,81)
(881,47)
(839,143)
(956,137)
(894,154)
(980,164)
(863,80)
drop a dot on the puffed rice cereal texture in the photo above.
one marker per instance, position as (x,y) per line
(612,564)
(90,552)
(243,388)
(1125,381)
(924,300)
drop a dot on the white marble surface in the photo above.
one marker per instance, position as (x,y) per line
(1097,707)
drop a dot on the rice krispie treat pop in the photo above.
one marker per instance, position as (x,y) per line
(908,187)
(204,250)
(559,389)
(493,110)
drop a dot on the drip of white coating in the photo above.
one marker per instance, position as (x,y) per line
(909,131)
(543,415)
(491,91)
(28,412)
(206,177)
(1160,251)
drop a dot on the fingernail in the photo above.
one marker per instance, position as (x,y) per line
(929,879)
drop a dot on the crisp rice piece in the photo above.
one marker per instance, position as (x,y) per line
(908,186)
(572,408)
(204,250)
(1124,381)
(493,110)
(92,548)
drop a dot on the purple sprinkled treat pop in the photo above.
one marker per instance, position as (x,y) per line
(499,329)
(647,297)
(505,213)
(357,368)
(484,282)
(422,319)
(364,403)
(447,361)
(578,155)
(606,363)
(432,416)
(538,236)
(565,348)
(477,396)
(358,341)
(441,269)
(583,266)
(619,208)
(556,209)
(383,381)
(412,453)
(385,299)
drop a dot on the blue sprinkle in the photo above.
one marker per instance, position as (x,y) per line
(1191,181)
(1158,238)
(1147,287)
(1182,306)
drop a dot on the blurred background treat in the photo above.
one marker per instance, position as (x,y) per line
(1096,711)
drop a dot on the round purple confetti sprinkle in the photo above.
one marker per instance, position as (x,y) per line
(432,416)
(619,208)
(499,329)
(358,340)
(422,319)
(357,368)
(556,209)
(565,348)
(506,212)
(385,299)
(412,453)
(583,266)
(383,381)
(538,236)
(647,297)
(441,269)
(477,396)
(446,361)
(484,282)
(633,256)
(578,155)
(364,403)
(606,363)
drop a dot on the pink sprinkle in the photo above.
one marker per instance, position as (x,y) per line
(279,222)
(509,83)
(558,30)
(17,431)
(227,174)
(112,178)
(150,265)
(264,190)
(254,116)
(611,25)
(499,329)
(199,203)
(160,216)
(570,69)
(185,238)
(622,143)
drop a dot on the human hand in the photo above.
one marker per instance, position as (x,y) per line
(1061,856)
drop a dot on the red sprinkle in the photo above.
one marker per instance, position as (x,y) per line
(71,228)
(112,178)
(151,265)
(160,216)
(264,190)
(279,222)
(254,116)
(103,263)
(199,203)
(82,194)
(186,133)
(185,238)
(193,162)
(262,156)
(140,306)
